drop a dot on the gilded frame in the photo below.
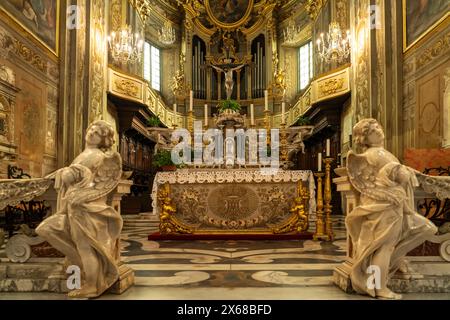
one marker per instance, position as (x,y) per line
(407,47)
(229,26)
(54,51)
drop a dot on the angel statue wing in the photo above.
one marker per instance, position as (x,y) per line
(105,179)
(363,177)
(437,185)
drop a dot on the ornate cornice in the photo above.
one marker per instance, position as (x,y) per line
(142,7)
(313,7)
(438,49)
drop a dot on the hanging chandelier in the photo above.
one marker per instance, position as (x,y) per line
(334,46)
(166,34)
(290,33)
(125,46)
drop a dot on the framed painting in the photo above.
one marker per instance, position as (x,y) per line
(229,14)
(40,18)
(420,17)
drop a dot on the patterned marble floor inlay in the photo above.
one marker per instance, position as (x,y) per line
(230,264)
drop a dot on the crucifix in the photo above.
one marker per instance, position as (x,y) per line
(228,63)
(228,70)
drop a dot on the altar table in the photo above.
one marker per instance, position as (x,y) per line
(231,201)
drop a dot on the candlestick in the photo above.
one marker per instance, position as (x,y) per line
(191,101)
(266,100)
(191,121)
(320,232)
(283,111)
(206,115)
(252,114)
(319,162)
(328,148)
(327,198)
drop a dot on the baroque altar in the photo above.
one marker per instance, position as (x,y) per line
(233,201)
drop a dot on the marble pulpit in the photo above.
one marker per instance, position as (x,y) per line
(233,201)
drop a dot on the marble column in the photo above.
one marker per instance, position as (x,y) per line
(376,62)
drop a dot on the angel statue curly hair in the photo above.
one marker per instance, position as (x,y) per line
(105,131)
(360,132)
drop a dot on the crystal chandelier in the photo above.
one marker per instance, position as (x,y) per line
(290,33)
(334,46)
(166,34)
(125,46)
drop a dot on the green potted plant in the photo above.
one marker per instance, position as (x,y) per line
(231,105)
(163,160)
(154,121)
(303,121)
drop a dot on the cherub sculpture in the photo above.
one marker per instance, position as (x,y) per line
(85,228)
(385,226)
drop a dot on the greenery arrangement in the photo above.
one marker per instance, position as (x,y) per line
(154,121)
(163,159)
(229,105)
(303,121)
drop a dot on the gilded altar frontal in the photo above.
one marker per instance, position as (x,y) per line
(224,151)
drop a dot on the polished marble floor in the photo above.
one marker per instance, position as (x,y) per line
(296,269)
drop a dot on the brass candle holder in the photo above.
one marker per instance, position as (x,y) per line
(283,143)
(190,119)
(320,228)
(327,197)
(267,124)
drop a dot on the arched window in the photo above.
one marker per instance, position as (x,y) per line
(152,65)
(305,65)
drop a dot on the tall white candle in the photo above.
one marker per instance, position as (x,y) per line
(206,114)
(175,108)
(266,100)
(191,101)
(252,114)
(319,161)
(328,148)
(283,111)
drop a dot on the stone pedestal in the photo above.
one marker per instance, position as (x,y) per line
(126,280)
(341,276)
(48,274)
(427,275)
(37,275)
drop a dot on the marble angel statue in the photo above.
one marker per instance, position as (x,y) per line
(85,228)
(385,226)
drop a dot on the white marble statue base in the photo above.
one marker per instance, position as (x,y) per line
(37,275)
(429,275)
(126,280)
(48,274)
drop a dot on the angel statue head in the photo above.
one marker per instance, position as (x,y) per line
(367,133)
(100,134)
